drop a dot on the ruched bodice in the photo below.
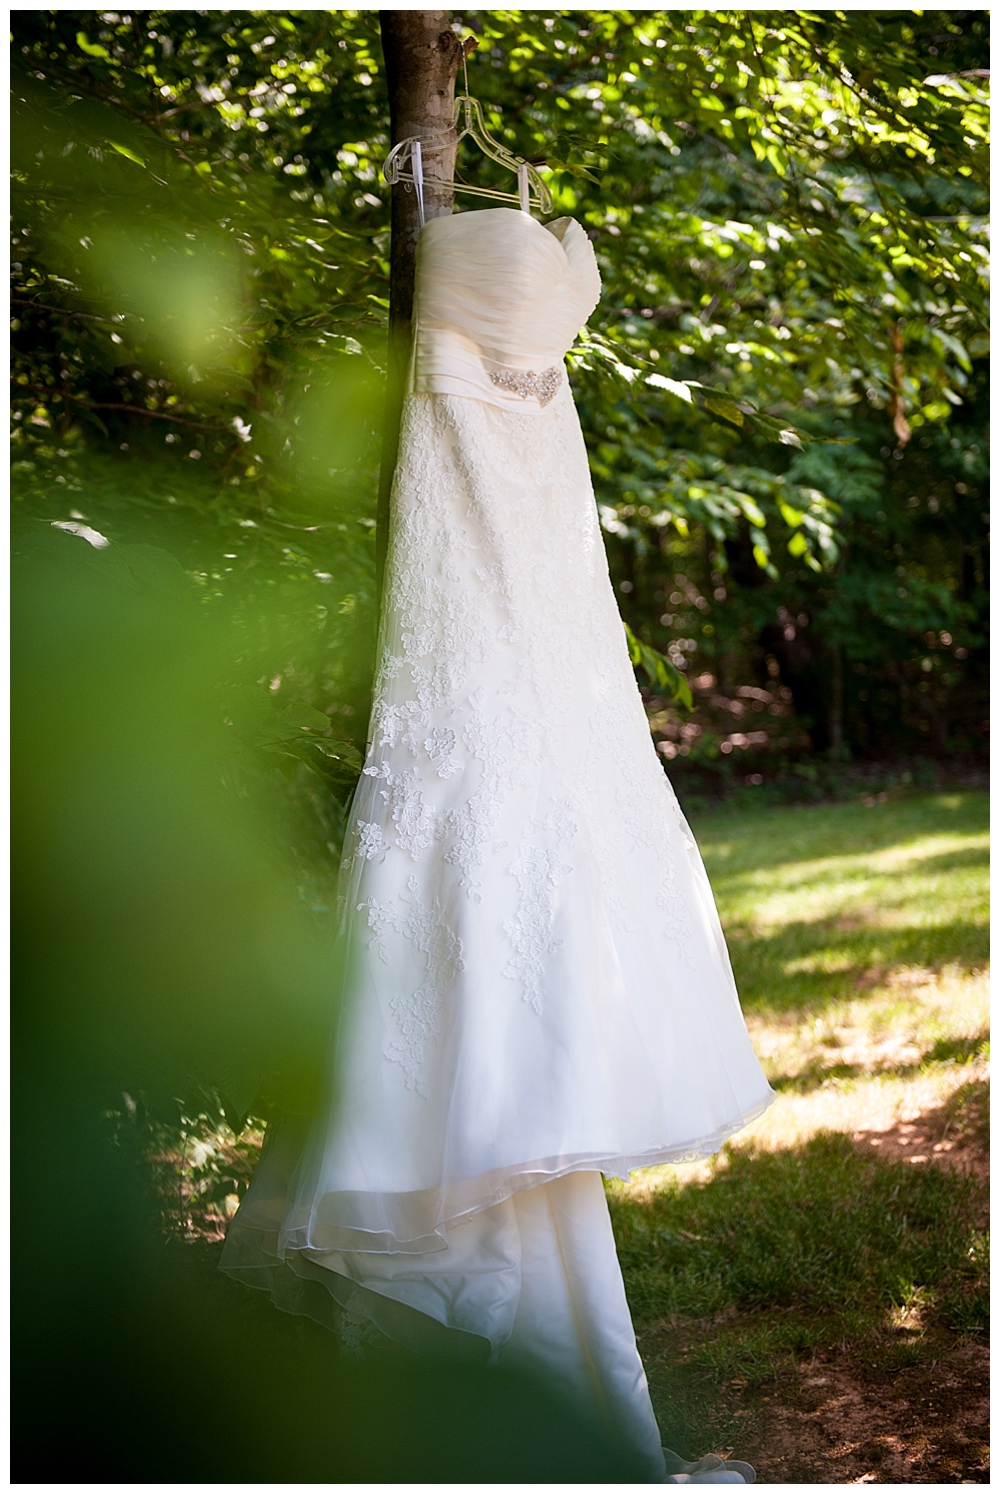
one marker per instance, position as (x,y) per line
(500,298)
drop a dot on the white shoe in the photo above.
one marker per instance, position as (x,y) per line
(708,1470)
(719,1477)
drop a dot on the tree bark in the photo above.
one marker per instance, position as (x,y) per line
(421,56)
(896,405)
(837,702)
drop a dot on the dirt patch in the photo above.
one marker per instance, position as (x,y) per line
(829,1421)
(909,1406)
(953,1135)
(928,1424)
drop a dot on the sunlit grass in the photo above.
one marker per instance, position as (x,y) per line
(859,942)
(818,902)
(861,957)
(859,938)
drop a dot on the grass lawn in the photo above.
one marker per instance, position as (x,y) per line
(813,1298)
(815,1295)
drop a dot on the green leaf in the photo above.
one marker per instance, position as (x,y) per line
(343,753)
(294,722)
(92,49)
(672,386)
(129,155)
(580,172)
(305,717)
(728,409)
(662,675)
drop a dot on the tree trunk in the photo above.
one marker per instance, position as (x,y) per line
(837,703)
(421,56)
(897,405)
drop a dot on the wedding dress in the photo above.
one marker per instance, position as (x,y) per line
(537,988)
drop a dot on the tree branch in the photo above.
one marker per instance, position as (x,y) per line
(93,404)
(79,316)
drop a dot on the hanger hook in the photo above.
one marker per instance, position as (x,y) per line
(469,44)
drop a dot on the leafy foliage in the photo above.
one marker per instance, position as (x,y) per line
(789,213)
(660,672)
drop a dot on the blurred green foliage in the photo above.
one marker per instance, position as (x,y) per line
(161,940)
(164,962)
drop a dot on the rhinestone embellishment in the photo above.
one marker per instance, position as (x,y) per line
(542,386)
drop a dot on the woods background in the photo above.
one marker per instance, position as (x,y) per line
(783,392)
(788,211)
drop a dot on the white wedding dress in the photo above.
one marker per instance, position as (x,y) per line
(537,989)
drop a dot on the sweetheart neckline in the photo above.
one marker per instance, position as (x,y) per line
(515,213)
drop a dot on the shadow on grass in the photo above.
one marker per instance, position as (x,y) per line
(946,1051)
(821,1229)
(958,1050)
(856,960)
(780,1254)
(938,862)
(758,840)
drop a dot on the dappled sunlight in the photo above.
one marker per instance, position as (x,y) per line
(863,901)
(804,891)
(860,1107)
(891,1026)
(846,965)
(861,959)
(748,842)
(858,1104)
(811,1260)
(818,1224)
(869,1063)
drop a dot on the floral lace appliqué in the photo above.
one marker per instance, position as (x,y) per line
(418,1015)
(412,819)
(371,841)
(440,748)
(537,870)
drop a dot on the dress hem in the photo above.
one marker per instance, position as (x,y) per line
(300,1281)
(456,1202)
(417,1223)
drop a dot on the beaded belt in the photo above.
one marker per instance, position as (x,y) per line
(542,386)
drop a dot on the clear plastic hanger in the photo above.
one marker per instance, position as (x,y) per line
(467,120)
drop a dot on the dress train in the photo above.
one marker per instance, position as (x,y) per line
(532,1284)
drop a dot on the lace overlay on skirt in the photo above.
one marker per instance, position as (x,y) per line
(538,990)
(539,983)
